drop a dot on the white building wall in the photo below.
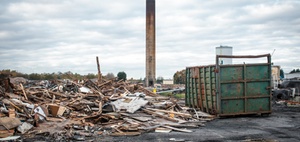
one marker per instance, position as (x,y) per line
(224,50)
(168,81)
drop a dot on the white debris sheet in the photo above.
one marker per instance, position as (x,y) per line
(130,104)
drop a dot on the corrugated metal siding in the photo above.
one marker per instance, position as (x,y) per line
(230,89)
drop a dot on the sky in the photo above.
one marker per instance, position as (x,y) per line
(42,36)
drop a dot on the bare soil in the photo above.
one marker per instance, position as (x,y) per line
(282,125)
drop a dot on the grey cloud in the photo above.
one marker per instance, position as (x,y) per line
(51,36)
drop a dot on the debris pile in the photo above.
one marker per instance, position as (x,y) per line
(77,110)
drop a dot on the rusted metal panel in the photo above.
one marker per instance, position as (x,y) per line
(200,88)
(228,90)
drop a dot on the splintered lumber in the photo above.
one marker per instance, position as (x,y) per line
(203,114)
(99,72)
(125,134)
(105,83)
(138,118)
(15,106)
(9,123)
(56,110)
(177,129)
(159,115)
(148,92)
(57,94)
(100,107)
(24,93)
(86,107)
(163,130)
(6,133)
(11,113)
(186,115)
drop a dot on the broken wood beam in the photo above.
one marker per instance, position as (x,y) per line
(186,115)
(24,93)
(99,72)
(159,115)
(148,92)
(177,129)
(57,94)
(16,107)
(105,83)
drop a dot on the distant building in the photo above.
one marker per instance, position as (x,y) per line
(224,50)
(168,81)
(275,76)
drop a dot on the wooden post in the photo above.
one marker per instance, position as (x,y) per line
(24,93)
(99,72)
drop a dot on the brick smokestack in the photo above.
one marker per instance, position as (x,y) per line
(150,43)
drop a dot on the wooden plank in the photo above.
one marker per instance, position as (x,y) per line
(163,130)
(6,133)
(177,129)
(125,134)
(11,113)
(159,115)
(24,93)
(173,112)
(99,72)
(138,118)
(56,110)
(54,119)
(203,114)
(10,123)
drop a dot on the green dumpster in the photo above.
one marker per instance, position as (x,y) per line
(227,90)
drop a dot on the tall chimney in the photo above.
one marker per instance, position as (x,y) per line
(150,43)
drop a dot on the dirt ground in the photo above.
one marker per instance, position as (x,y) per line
(282,125)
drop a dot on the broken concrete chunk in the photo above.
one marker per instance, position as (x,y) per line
(24,127)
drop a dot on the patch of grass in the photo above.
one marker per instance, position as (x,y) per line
(170,94)
(180,96)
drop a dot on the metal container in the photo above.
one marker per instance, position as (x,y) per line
(227,90)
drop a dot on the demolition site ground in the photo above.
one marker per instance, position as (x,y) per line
(282,125)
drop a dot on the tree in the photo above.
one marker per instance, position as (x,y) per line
(34,76)
(109,76)
(179,77)
(295,70)
(159,80)
(281,73)
(121,75)
(90,76)
(48,76)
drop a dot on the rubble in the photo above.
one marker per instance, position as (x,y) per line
(79,111)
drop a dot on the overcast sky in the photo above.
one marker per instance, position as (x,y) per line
(45,36)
